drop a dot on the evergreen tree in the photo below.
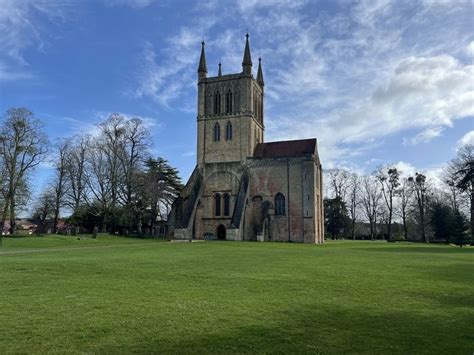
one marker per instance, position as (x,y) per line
(460,228)
(442,221)
(337,219)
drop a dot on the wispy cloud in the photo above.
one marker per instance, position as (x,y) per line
(131,3)
(88,123)
(190,153)
(350,78)
(352,74)
(424,136)
(22,26)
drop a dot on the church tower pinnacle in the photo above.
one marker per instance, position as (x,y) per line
(202,70)
(247,62)
(260,73)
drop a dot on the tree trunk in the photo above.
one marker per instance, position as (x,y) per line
(405,228)
(57,205)
(55,220)
(12,215)
(389,226)
(371,222)
(4,215)
(472,208)
(353,229)
(423,232)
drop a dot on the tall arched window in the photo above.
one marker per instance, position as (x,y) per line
(228,131)
(226,204)
(217,132)
(237,100)
(258,110)
(217,103)
(279,205)
(217,205)
(228,102)
(208,103)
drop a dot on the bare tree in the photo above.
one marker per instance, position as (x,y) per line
(22,148)
(451,179)
(98,181)
(339,181)
(354,200)
(3,187)
(111,142)
(388,178)
(132,155)
(420,188)
(76,171)
(60,183)
(405,192)
(371,198)
(44,209)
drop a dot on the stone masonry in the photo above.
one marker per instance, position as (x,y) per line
(241,187)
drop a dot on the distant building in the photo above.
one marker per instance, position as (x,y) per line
(243,188)
(23,226)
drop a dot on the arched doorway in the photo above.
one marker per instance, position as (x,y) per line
(221,232)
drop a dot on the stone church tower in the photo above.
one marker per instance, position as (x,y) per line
(243,188)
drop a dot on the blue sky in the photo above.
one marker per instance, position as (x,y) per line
(377,82)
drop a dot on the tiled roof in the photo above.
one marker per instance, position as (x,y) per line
(285,148)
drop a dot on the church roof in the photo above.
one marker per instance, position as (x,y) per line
(285,148)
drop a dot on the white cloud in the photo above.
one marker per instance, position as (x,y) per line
(433,174)
(8,74)
(468,138)
(164,76)
(424,136)
(90,124)
(382,68)
(405,169)
(470,49)
(131,3)
(190,153)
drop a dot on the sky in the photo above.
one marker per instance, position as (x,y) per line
(376,82)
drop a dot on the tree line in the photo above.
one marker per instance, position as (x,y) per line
(109,180)
(391,205)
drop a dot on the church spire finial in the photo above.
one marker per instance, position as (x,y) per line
(219,73)
(260,73)
(202,70)
(247,62)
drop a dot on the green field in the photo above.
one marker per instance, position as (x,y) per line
(118,295)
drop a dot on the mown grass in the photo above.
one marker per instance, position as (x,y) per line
(119,295)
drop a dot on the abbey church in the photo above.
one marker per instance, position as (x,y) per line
(243,188)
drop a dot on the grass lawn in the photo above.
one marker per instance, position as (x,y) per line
(119,295)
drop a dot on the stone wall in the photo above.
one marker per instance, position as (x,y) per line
(295,178)
(247,130)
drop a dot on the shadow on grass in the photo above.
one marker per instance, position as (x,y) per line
(304,329)
(454,273)
(418,249)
